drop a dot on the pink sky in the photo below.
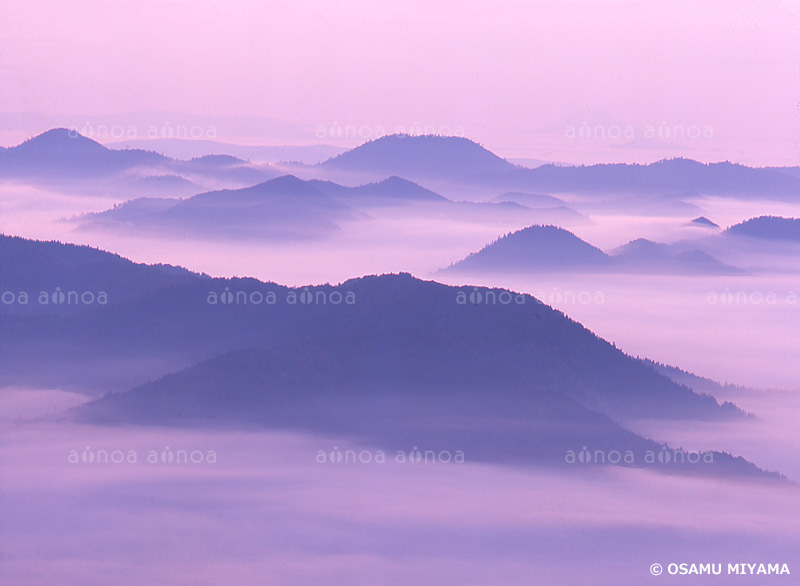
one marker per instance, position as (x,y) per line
(514,75)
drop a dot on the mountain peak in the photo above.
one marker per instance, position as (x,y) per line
(287,185)
(703,221)
(420,156)
(536,247)
(60,140)
(768,228)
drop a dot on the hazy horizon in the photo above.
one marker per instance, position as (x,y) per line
(633,68)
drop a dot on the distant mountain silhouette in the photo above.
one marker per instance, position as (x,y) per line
(792,171)
(704,222)
(179,148)
(288,207)
(34,266)
(285,207)
(407,361)
(225,168)
(459,160)
(390,389)
(416,157)
(167,185)
(133,212)
(391,190)
(699,384)
(535,248)
(655,204)
(66,154)
(642,255)
(531,200)
(666,176)
(450,164)
(217,160)
(551,249)
(62,152)
(768,228)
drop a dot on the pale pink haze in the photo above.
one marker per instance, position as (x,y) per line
(513,75)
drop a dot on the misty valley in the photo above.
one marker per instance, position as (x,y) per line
(413,361)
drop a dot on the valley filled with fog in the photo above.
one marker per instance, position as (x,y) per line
(413,362)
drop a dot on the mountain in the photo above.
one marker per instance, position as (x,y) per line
(167,186)
(768,228)
(665,176)
(704,222)
(697,383)
(179,148)
(531,200)
(288,207)
(34,267)
(62,152)
(414,157)
(454,163)
(392,190)
(281,208)
(225,168)
(399,330)
(793,171)
(461,161)
(535,248)
(654,204)
(217,160)
(130,213)
(391,389)
(389,360)
(642,255)
(551,249)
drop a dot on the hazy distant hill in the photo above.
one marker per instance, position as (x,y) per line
(699,384)
(167,186)
(704,222)
(551,249)
(288,207)
(413,157)
(133,212)
(768,228)
(792,171)
(65,154)
(642,255)
(495,374)
(459,160)
(526,335)
(392,389)
(61,152)
(393,190)
(442,161)
(33,267)
(666,176)
(535,248)
(179,148)
(285,207)
(531,200)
